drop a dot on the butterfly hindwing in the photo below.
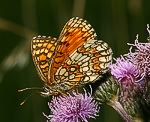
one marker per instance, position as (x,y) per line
(86,64)
(42,49)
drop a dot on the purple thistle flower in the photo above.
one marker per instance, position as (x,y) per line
(134,65)
(124,70)
(132,69)
(73,108)
(141,57)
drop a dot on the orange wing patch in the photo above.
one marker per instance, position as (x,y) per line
(74,34)
(42,51)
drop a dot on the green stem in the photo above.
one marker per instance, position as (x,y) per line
(118,107)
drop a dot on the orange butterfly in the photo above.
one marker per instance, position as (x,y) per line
(75,58)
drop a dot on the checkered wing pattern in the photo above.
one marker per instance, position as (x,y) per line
(86,64)
(42,49)
(75,58)
(74,34)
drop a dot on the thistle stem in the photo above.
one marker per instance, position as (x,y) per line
(118,107)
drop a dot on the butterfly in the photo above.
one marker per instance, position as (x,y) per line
(75,58)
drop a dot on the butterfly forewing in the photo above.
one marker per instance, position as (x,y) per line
(42,49)
(74,34)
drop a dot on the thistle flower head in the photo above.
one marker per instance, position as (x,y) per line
(123,69)
(73,108)
(135,64)
(141,57)
(132,69)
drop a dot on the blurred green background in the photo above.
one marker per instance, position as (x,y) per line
(115,21)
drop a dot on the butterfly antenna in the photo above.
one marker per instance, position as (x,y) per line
(33,88)
(25,89)
(26,99)
(31,94)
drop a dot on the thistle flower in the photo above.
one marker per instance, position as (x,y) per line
(124,70)
(141,57)
(131,70)
(131,73)
(73,108)
(135,65)
(127,75)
